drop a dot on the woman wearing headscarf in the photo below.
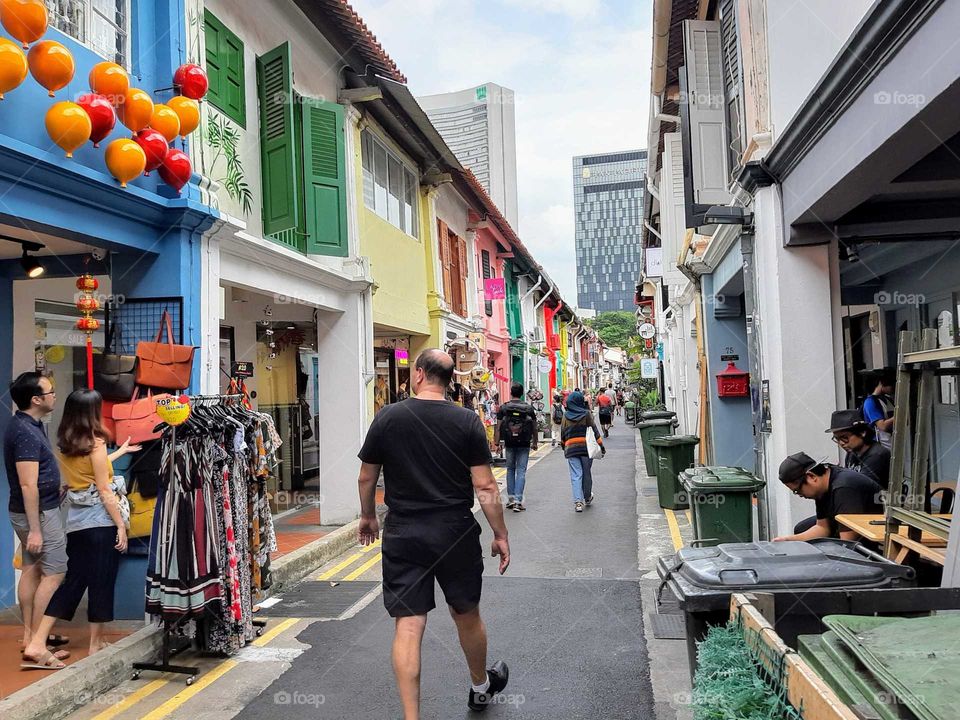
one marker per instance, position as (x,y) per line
(577,422)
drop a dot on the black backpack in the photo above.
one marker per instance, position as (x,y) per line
(517,425)
(557,413)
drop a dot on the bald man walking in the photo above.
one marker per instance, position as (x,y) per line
(434,456)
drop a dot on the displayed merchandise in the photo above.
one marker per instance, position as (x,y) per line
(164,364)
(213,529)
(137,419)
(114,374)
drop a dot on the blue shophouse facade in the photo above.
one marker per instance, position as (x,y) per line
(144,240)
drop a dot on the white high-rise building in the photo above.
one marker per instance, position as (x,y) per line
(480,127)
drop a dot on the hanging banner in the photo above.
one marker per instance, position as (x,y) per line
(494,289)
(648,368)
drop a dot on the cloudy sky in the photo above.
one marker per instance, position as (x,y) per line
(580,70)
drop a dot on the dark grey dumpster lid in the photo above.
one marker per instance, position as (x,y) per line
(657,414)
(719,479)
(823,564)
(673,440)
(654,423)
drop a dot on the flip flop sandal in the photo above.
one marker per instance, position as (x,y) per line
(57,640)
(58,654)
(43,663)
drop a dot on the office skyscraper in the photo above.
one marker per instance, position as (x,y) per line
(480,127)
(608,212)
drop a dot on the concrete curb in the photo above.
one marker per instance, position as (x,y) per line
(64,691)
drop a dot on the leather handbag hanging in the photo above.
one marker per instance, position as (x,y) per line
(164,364)
(114,374)
(137,418)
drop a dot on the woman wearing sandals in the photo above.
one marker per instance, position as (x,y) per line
(96,526)
(577,422)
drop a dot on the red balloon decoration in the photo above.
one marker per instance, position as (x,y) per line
(154,147)
(191,81)
(103,117)
(176,169)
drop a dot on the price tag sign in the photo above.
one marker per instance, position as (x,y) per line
(174,410)
(242,369)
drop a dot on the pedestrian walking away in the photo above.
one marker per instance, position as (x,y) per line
(556,419)
(434,456)
(96,519)
(34,479)
(517,430)
(605,412)
(577,422)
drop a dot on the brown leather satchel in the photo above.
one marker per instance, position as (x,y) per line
(163,364)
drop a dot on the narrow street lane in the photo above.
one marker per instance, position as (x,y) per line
(567,618)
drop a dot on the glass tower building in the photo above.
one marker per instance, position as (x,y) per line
(608,212)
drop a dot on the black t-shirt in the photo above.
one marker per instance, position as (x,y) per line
(874,462)
(850,493)
(25,440)
(426,448)
(527,414)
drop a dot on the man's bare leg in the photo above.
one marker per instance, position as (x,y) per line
(26,591)
(473,640)
(406,662)
(47,587)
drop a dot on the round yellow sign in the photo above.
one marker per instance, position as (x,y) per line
(174,410)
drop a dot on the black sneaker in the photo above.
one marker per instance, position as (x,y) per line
(518,507)
(511,505)
(498,676)
(589,500)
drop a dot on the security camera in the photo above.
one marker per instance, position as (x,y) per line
(98,254)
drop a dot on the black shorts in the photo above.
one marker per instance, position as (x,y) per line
(420,548)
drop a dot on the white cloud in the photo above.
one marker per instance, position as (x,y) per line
(575,9)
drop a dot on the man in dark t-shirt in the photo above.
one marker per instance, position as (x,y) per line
(836,491)
(434,456)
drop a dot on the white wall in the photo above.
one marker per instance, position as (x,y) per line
(803,39)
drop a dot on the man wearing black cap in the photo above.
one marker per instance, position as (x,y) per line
(858,439)
(836,491)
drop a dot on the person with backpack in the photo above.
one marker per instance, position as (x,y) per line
(877,409)
(605,404)
(556,418)
(517,430)
(577,422)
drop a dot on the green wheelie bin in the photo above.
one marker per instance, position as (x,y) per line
(630,412)
(649,429)
(674,455)
(721,500)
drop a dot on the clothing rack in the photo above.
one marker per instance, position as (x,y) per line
(174,640)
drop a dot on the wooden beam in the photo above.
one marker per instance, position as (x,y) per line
(806,691)
(921,443)
(359,95)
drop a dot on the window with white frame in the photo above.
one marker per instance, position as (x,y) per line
(102,25)
(389,187)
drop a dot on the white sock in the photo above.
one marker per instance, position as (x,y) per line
(484,687)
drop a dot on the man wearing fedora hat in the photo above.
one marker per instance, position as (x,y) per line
(835,490)
(858,439)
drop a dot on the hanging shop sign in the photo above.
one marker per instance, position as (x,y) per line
(241,369)
(174,410)
(648,368)
(647,330)
(494,289)
(543,364)
(402,357)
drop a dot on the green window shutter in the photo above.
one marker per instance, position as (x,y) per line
(324,178)
(225,69)
(278,148)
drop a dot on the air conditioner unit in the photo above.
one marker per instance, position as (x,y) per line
(536,335)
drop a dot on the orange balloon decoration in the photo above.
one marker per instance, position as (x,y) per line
(136,109)
(110,80)
(26,20)
(51,64)
(13,66)
(189,113)
(125,160)
(165,121)
(69,126)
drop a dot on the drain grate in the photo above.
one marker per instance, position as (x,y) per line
(668,627)
(319,599)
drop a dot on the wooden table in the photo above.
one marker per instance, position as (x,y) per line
(861,524)
(905,546)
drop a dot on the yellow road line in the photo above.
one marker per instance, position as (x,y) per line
(181,697)
(274,631)
(211,676)
(363,568)
(340,566)
(674,529)
(131,700)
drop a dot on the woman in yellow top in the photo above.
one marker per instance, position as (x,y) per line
(96,529)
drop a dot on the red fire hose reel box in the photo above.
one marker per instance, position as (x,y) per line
(733,382)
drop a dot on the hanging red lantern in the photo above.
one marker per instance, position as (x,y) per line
(103,117)
(87,283)
(87,304)
(88,325)
(176,169)
(154,146)
(191,81)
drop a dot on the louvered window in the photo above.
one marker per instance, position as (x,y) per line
(103,25)
(225,71)
(733,83)
(487,274)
